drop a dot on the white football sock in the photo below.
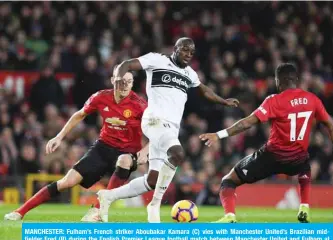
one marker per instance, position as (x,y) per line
(304,204)
(230,214)
(134,188)
(165,177)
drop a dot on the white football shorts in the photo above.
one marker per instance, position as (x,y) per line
(162,135)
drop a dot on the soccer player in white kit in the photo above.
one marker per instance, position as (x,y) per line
(168,80)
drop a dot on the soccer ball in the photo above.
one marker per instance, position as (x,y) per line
(184,211)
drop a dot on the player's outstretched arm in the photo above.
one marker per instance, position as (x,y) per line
(236,128)
(128,65)
(54,143)
(213,97)
(329,125)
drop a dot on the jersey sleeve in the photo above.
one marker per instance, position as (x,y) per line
(149,60)
(195,80)
(90,105)
(266,110)
(139,104)
(321,113)
(143,106)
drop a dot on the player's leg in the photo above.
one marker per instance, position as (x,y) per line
(156,164)
(125,164)
(259,165)
(121,170)
(304,180)
(228,196)
(168,145)
(48,192)
(176,156)
(303,170)
(134,188)
(86,172)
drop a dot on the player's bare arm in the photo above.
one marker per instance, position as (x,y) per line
(242,125)
(75,119)
(213,97)
(128,65)
(236,128)
(329,125)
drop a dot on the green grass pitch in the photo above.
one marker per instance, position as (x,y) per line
(68,213)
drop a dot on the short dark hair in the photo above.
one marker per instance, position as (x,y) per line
(287,73)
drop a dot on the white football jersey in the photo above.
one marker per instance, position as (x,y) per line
(167,86)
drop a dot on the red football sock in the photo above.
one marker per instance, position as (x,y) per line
(41,196)
(116,181)
(304,181)
(228,200)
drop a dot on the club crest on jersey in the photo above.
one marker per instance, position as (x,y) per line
(115,121)
(127,113)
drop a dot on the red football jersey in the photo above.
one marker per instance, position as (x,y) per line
(121,122)
(291,113)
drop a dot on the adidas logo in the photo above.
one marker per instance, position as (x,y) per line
(163,188)
(106,109)
(303,177)
(245,171)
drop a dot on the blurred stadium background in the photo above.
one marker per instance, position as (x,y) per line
(54,55)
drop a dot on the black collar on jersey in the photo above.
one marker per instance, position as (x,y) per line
(174,61)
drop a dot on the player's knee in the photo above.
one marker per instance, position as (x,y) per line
(226,177)
(227,183)
(232,177)
(71,179)
(67,182)
(124,161)
(176,155)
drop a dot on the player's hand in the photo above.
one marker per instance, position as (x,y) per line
(52,145)
(232,102)
(118,84)
(210,138)
(142,156)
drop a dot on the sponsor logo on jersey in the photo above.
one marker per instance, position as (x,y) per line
(166,78)
(127,113)
(153,121)
(170,79)
(115,121)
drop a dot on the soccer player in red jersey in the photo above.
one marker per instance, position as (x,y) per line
(120,138)
(291,113)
